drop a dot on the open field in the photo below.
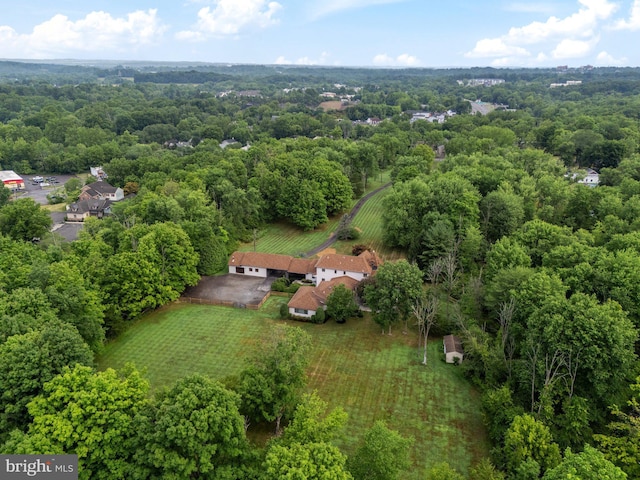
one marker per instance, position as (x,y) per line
(369,222)
(332,105)
(372,376)
(287,239)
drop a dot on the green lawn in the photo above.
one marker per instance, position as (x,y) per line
(372,376)
(369,222)
(287,239)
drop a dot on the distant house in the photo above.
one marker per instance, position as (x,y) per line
(225,143)
(11,180)
(82,209)
(592,178)
(101,190)
(98,172)
(453,351)
(588,177)
(95,200)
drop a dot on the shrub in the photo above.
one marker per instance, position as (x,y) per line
(293,288)
(319,316)
(358,248)
(284,310)
(280,285)
(348,233)
(56,197)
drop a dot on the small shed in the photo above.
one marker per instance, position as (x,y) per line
(453,349)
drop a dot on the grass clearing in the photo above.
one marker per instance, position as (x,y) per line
(372,376)
(287,239)
(369,222)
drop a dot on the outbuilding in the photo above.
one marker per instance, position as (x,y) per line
(453,351)
(11,180)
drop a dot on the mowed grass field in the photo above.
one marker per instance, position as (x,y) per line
(287,239)
(372,376)
(369,222)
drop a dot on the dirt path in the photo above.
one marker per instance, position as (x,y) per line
(354,211)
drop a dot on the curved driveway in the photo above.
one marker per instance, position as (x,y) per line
(356,208)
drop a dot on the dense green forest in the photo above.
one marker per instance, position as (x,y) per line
(536,272)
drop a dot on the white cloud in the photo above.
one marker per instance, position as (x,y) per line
(403,60)
(634,19)
(232,17)
(98,32)
(281,60)
(324,59)
(569,48)
(496,47)
(322,8)
(607,60)
(574,35)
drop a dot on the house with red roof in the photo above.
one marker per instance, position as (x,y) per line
(308,300)
(325,272)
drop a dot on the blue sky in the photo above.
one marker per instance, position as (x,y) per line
(385,33)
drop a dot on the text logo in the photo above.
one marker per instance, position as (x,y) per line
(50,467)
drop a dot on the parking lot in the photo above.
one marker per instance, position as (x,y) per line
(39,191)
(230,289)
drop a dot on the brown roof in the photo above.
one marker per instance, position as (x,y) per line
(452,344)
(346,263)
(372,258)
(302,265)
(305,298)
(325,288)
(264,260)
(312,298)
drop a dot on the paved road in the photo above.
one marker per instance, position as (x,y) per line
(332,239)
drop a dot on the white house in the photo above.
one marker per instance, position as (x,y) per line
(256,264)
(332,266)
(325,272)
(588,177)
(453,351)
(319,270)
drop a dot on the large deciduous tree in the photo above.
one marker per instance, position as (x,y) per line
(502,214)
(341,304)
(527,441)
(590,464)
(23,219)
(382,455)
(594,342)
(310,461)
(621,443)
(271,385)
(89,414)
(30,360)
(305,450)
(194,430)
(76,302)
(394,290)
